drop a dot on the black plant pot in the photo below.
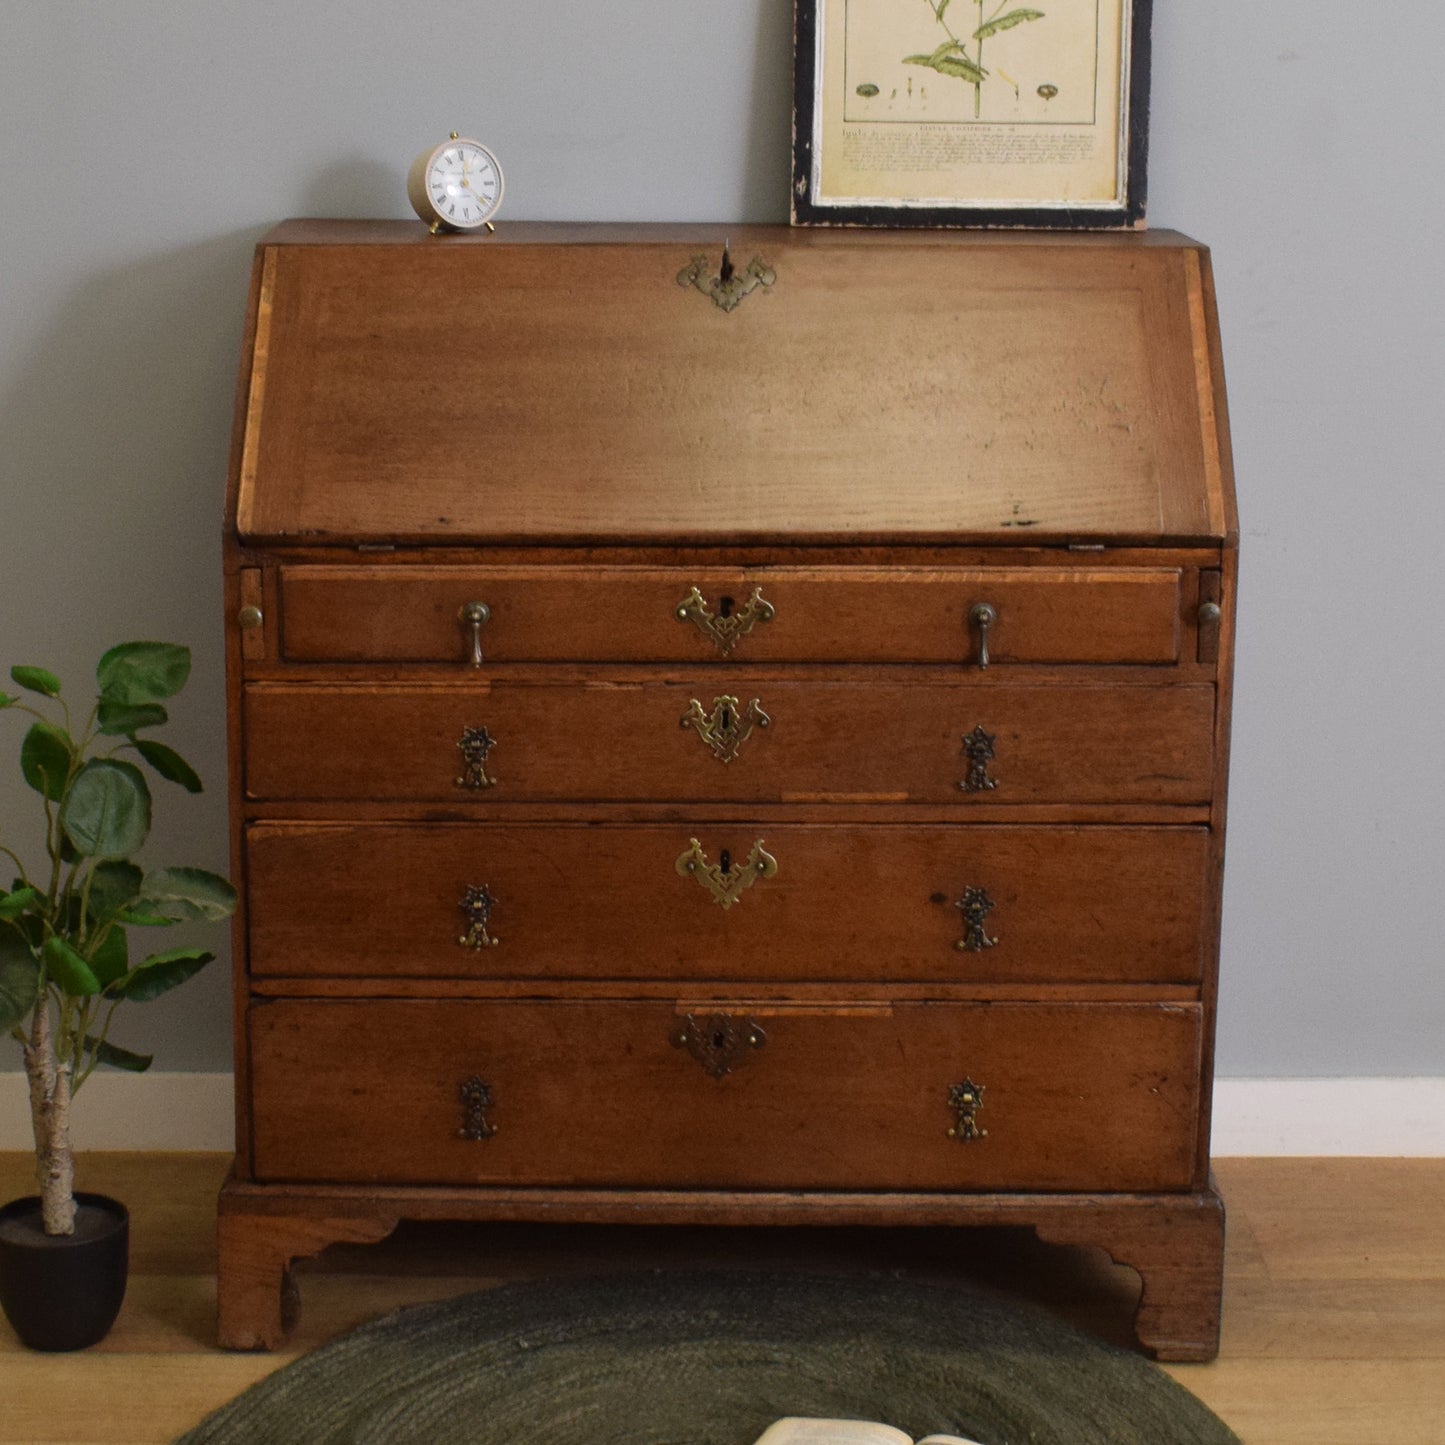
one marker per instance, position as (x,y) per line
(63,1292)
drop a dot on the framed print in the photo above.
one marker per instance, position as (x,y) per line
(1030,113)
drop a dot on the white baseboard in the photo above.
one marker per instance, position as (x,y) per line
(1382,1118)
(1379,1117)
(132,1111)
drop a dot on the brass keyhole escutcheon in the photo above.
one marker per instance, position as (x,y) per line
(728,287)
(724,882)
(719,1042)
(729,624)
(728,726)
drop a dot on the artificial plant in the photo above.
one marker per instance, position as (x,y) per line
(64,927)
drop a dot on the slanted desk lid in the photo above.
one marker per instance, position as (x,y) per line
(562,384)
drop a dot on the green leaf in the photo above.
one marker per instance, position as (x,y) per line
(169,764)
(19,979)
(140,918)
(67,968)
(120,719)
(111,960)
(187,893)
(942,6)
(117,1057)
(45,759)
(1006,22)
(113,885)
(12,905)
(7,701)
(37,680)
(160,973)
(107,812)
(950,64)
(138,672)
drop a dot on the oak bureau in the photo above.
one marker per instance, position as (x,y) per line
(728,735)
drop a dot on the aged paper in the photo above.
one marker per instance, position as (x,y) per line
(973,103)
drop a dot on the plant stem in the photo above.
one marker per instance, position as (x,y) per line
(50,1118)
(978,84)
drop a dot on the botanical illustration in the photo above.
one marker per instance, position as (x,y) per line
(953,58)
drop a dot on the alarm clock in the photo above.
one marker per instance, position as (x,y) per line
(456,186)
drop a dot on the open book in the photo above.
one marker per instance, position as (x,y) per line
(797,1431)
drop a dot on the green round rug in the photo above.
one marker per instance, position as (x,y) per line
(712,1358)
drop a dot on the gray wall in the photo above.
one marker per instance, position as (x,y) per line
(144,147)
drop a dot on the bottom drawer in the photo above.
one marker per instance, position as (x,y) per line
(634,1094)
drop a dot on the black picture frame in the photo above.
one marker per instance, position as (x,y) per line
(1126,214)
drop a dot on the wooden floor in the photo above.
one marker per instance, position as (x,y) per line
(1334,1311)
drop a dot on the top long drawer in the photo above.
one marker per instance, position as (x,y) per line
(420,614)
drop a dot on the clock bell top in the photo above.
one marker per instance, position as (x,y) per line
(635,384)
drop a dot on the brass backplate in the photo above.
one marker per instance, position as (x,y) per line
(727,727)
(718,1041)
(724,881)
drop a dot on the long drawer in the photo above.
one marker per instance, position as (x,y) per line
(826,739)
(902,1096)
(837,901)
(405,613)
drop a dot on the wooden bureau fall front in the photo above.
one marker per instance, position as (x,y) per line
(716,742)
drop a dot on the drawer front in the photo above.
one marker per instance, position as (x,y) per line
(414,614)
(1077,1097)
(829,902)
(629,740)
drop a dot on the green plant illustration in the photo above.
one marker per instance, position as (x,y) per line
(953,58)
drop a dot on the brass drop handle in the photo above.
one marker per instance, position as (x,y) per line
(975,905)
(476,905)
(476,615)
(966,1099)
(475,1097)
(982,615)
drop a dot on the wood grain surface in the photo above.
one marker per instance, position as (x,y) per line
(620,735)
(960,393)
(1080,1097)
(400,613)
(848,901)
(1334,1319)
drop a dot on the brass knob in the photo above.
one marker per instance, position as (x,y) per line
(1209,614)
(250,618)
(476,615)
(982,615)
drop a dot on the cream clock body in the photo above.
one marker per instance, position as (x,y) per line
(456,186)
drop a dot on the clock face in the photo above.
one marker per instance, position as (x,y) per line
(463,184)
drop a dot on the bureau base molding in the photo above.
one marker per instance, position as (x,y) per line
(1174,1242)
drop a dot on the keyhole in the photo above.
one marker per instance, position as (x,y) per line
(726,862)
(719,1038)
(727,717)
(725,606)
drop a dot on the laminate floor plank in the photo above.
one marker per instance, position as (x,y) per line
(1334,1318)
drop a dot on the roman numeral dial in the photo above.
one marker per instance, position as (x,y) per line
(456,186)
